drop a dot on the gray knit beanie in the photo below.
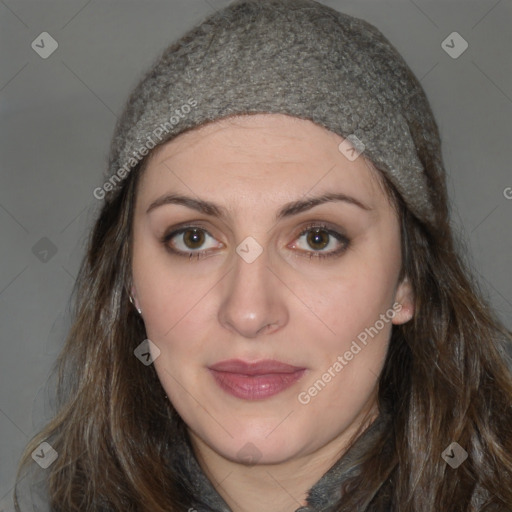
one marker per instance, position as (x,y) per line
(295,57)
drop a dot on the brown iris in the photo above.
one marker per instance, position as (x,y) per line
(318,238)
(193,238)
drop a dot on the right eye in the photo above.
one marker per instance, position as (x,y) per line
(187,240)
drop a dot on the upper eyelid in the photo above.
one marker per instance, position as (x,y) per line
(328,226)
(325,226)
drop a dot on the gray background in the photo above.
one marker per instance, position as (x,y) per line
(58,115)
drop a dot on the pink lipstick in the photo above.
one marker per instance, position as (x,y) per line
(255,381)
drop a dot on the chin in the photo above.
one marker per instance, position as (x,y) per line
(249,448)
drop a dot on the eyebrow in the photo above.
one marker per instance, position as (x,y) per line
(288,210)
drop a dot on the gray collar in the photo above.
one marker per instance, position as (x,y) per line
(200,494)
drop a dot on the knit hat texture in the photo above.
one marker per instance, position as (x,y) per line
(295,57)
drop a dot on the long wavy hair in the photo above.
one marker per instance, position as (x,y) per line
(445,379)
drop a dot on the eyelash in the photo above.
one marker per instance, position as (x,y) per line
(166,238)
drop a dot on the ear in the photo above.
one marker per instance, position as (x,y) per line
(404,303)
(133,293)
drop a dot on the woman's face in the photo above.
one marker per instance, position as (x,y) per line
(256,239)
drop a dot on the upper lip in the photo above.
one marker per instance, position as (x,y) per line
(254,368)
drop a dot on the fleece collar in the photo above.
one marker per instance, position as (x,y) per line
(322,497)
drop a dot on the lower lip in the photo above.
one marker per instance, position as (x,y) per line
(255,387)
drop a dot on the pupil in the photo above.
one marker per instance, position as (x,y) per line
(193,238)
(318,239)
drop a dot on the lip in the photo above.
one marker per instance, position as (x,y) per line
(255,380)
(254,368)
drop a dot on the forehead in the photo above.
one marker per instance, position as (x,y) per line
(257,136)
(271,152)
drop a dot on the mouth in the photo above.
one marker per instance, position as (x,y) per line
(256,380)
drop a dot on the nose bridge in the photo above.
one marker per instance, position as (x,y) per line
(250,305)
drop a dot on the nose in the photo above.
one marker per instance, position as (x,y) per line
(252,304)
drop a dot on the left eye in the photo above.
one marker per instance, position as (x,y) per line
(321,241)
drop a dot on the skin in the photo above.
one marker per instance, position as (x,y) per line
(285,305)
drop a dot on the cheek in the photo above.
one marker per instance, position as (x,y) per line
(170,295)
(352,299)
(355,305)
(349,359)
(177,320)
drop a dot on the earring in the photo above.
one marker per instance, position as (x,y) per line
(133,302)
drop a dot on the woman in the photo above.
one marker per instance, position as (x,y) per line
(272,315)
